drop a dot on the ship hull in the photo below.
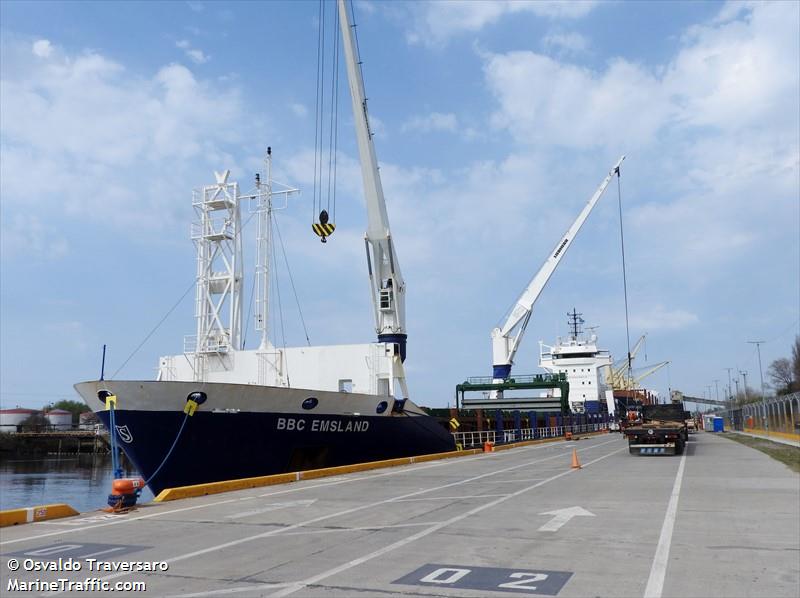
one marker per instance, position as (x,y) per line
(248,430)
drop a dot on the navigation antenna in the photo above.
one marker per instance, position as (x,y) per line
(575,321)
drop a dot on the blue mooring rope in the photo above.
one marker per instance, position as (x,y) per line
(169,452)
(112,420)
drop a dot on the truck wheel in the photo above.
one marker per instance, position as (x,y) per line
(679,444)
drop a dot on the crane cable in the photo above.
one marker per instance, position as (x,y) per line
(291,280)
(624,277)
(323,215)
(318,108)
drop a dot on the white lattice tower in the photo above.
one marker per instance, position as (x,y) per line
(218,300)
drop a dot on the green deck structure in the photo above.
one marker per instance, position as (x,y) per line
(528,382)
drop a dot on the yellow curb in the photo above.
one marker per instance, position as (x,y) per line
(31,514)
(762,432)
(311,474)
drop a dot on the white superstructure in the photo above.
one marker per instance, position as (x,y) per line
(584,364)
(216,353)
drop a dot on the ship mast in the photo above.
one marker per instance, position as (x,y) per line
(263,197)
(269,360)
(386,282)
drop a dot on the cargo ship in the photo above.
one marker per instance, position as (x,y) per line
(220,411)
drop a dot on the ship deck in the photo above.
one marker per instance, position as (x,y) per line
(721,520)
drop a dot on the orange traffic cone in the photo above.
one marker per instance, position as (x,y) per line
(575,463)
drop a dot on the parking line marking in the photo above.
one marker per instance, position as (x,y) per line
(395,471)
(295,526)
(434,528)
(658,571)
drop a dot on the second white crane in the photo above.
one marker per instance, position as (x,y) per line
(506,338)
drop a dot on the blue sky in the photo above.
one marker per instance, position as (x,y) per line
(494,123)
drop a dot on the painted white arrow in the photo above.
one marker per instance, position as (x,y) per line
(273,507)
(562,516)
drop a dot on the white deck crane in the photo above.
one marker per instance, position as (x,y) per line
(386,282)
(505,341)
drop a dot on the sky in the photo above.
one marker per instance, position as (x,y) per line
(494,123)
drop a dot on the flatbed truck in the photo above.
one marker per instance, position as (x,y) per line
(662,431)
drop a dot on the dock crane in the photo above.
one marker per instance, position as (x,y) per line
(506,338)
(387,286)
(619,370)
(622,376)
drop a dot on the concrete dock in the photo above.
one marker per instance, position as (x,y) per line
(720,520)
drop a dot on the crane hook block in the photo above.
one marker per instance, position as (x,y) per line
(323,228)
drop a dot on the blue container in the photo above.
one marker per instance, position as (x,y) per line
(719,424)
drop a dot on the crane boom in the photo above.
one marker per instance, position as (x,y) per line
(504,346)
(386,281)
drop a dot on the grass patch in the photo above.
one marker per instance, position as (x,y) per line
(786,454)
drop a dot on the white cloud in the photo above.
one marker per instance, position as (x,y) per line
(435,121)
(42,48)
(195,55)
(27,236)
(436,22)
(543,100)
(96,141)
(657,317)
(717,127)
(299,109)
(739,73)
(568,43)
(729,75)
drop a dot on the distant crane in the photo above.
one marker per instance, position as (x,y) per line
(621,376)
(631,381)
(618,371)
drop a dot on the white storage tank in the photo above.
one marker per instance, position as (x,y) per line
(10,419)
(59,419)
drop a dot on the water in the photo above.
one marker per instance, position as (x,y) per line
(81,481)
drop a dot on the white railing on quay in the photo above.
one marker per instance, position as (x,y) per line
(478,438)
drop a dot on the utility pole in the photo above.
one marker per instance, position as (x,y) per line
(744,376)
(763,394)
(730,388)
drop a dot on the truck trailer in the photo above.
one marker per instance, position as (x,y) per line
(661,431)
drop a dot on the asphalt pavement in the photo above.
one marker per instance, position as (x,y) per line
(720,520)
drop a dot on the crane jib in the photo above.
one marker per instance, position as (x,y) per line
(561,247)
(505,347)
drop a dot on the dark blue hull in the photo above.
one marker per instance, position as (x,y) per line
(225,446)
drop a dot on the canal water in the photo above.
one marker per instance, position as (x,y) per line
(81,481)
